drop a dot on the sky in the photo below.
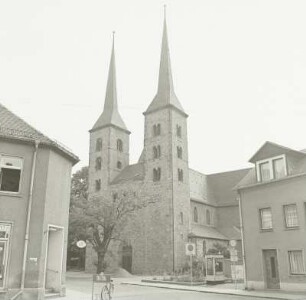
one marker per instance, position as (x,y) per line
(239,70)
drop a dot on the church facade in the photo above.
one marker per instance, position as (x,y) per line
(184,205)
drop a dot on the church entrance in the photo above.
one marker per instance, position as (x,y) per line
(127,253)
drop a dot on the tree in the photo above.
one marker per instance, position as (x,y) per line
(100,219)
(78,196)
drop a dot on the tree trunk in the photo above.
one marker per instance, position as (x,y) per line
(100,265)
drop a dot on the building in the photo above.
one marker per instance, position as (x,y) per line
(35,174)
(185,205)
(273,208)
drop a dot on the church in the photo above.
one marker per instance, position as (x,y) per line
(185,205)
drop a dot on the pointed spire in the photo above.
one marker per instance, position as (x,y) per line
(165,93)
(110,115)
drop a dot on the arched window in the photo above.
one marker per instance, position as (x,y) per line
(98,163)
(156,152)
(179,152)
(178,130)
(180,175)
(119,165)
(115,196)
(208,217)
(204,247)
(99,144)
(156,129)
(195,215)
(119,145)
(156,174)
(181,218)
(98,185)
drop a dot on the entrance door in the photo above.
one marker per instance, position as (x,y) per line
(3,250)
(127,258)
(271,269)
(54,261)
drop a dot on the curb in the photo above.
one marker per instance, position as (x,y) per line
(218,292)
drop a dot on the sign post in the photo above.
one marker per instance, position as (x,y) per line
(234,259)
(190,250)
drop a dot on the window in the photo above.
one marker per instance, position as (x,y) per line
(99,144)
(296,262)
(10,173)
(180,175)
(119,165)
(181,218)
(156,174)
(195,215)
(115,196)
(179,152)
(156,152)
(278,168)
(266,218)
(265,171)
(208,220)
(156,130)
(273,168)
(119,145)
(98,163)
(178,131)
(291,217)
(98,185)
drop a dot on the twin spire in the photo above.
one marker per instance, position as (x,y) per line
(165,96)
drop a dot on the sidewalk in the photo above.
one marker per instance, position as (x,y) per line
(227,288)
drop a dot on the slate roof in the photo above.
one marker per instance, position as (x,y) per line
(110,115)
(203,231)
(13,127)
(130,173)
(165,96)
(221,186)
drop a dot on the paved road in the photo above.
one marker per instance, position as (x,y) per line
(132,292)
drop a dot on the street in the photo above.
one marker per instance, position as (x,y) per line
(80,288)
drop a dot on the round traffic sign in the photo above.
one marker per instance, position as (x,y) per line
(81,244)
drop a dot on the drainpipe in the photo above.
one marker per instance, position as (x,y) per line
(26,237)
(242,241)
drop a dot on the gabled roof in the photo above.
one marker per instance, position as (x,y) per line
(130,173)
(165,96)
(110,115)
(15,128)
(269,149)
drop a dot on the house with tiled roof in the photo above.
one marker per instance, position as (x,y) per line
(35,174)
(185,205)
(272,198)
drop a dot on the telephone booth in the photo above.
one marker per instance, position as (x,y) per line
(214,269)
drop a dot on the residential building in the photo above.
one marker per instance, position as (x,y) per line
(273,208)
(35,175)
(185,205)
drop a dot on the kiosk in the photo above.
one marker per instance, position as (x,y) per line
(214,269)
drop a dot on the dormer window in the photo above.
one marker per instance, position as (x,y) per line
(272,168)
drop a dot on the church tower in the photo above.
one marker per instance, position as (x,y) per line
(166,165)
(109,139)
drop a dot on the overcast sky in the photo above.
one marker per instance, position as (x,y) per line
(239,69)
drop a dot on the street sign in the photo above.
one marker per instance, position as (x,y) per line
(190,249)
(234,258)
(234,255)
(81,244)
(233,243)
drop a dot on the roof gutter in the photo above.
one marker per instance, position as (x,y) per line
(29,210)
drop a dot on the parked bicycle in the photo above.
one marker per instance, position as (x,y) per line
(102,287)
(107,290)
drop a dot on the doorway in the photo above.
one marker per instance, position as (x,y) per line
(54,259)
(271,269)
(127,255)
(4,250)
